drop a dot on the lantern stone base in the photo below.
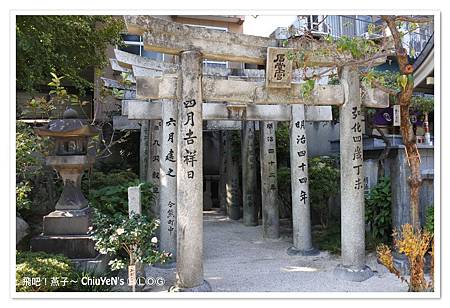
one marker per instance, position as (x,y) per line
(67,222)
(352,274)
(71,246)
(66,232)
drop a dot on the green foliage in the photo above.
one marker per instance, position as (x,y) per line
(23,190)
(378,210)
(328,239)
(284,188)
(47,267)
(357,46)
(422,104)
(429,219)
(68,44)
(135,236)
(43,266)
(109,193)
(28,164)
(112,177)
(306,88)
(323,184)
(283,139)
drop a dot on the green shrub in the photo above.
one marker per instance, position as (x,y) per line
(97,179)
(54,273)
(28,164)
(108,192)
(44,267)
(110,200)
(323,185)
(284,191)
(429,219)
(378,210)
(127,239)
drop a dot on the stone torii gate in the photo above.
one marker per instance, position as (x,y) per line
(301,217)
(189,89)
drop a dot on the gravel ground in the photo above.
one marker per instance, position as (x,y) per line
(237,259)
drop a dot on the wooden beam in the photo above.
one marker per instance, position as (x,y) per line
(172,38)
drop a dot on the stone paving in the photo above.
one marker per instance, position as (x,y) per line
(237,259)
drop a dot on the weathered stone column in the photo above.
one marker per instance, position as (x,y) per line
(223,173)
(352,182)
(190,177)
(301,215)
(232,184)
(144,150)
(250,216)
(168,179)
(269,187)
(153,163)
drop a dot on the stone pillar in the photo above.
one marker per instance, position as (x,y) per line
(250,208)
(353,266)
(301,215)
(232,184)
(144,150)
(168,179)
(269,187)
(190,177)
(153,163)
(223,174)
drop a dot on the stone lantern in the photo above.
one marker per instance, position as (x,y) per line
(66,230)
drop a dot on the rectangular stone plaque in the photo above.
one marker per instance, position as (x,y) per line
(278,68)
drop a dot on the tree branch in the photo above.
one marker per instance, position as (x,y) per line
(418,20)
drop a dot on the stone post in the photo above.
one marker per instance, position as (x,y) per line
(134,201)
(190,177)
(269,187)
(223,174)
(135,207)
(168,179)
(250,216)
(232,184)
(144,150)
(153,163)
(301,215)
(353,266)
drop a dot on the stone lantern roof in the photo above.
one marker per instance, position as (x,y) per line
(69,126)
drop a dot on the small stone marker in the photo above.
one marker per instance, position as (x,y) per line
(134,201)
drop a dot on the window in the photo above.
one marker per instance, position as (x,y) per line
(135,45)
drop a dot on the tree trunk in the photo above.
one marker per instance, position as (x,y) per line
(409,139)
